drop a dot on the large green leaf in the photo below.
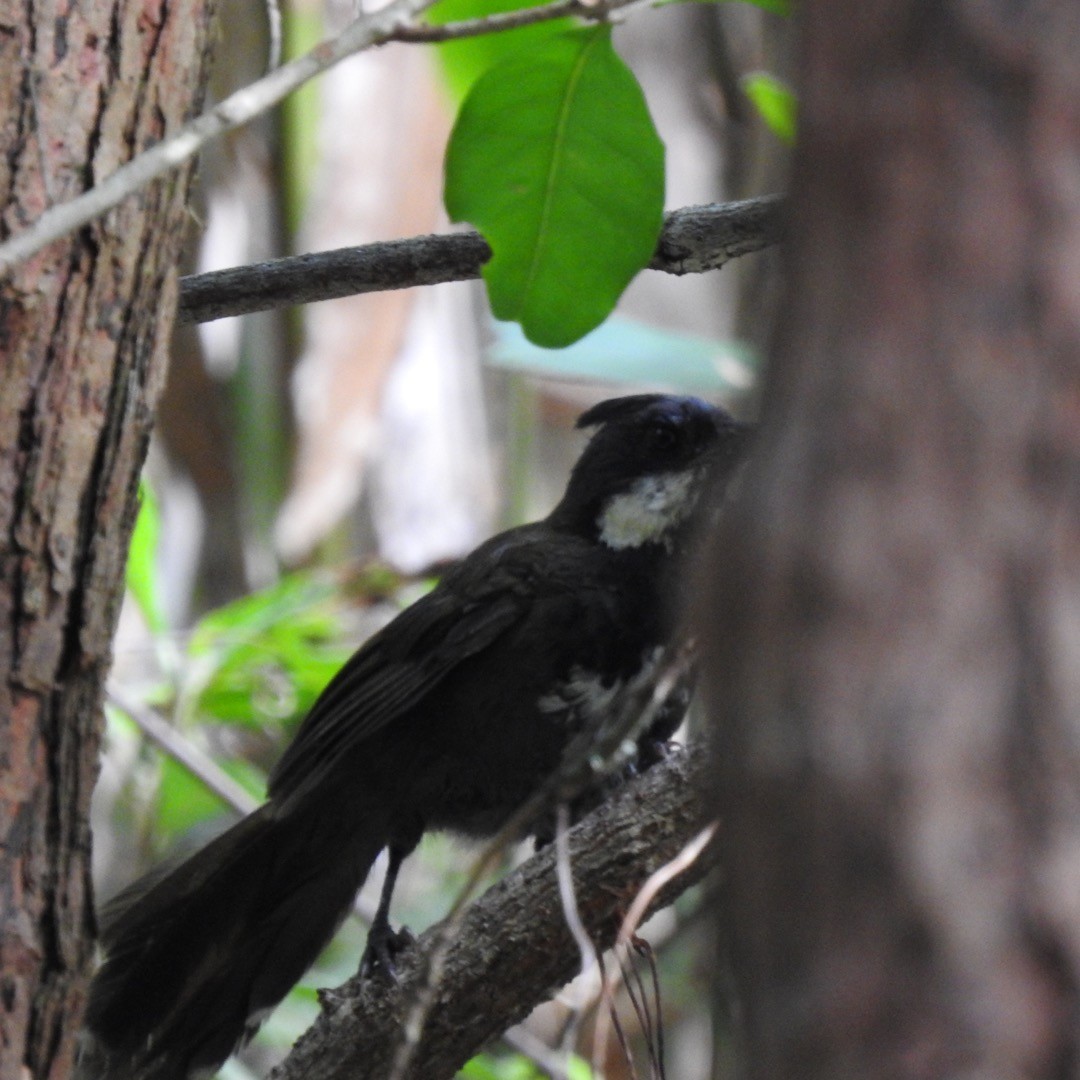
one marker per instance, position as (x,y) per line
(555,159)
(463,61)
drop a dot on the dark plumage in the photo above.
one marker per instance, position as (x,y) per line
(448,718)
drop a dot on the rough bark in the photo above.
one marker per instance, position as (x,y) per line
(514,948)
(82,334)
(695,239)
(896,616)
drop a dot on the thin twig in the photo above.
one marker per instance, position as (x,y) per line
(510,20)
(237,109)
(367,31)
(645,948)
(568,898)
(652,1029)
(646,894)
(620,1033)
(629,975)
(197,762)
(273,32)
(686,858)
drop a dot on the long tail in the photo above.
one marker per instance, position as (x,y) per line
(195,959)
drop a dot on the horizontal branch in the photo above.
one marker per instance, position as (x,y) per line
(514,945)
(694,239)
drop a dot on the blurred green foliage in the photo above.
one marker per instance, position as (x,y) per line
(266,657)
(775,101)
(518,1067)
(142,572)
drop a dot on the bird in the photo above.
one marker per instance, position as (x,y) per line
(448,718)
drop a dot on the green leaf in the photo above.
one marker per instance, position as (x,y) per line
(482,1067)
(465,60)
(183,800)
(142,574)
(775,101)
(268,656)
(555,159)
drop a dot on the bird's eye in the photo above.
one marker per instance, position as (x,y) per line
(663,438)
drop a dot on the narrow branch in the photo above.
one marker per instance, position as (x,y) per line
(510,20)
(694,239)
(237,109)
(183,750)
(513,945)
(633,919)
(392,23)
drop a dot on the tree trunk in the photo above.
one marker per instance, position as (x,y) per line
(83,328)
(896,636)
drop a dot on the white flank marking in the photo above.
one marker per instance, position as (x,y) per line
(584,695)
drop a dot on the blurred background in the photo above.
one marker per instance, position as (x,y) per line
(315,468)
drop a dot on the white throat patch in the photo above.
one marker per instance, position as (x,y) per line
(646,513)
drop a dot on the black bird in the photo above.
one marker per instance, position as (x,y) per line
(448,718)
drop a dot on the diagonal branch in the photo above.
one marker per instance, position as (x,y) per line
(695,239)
(182,750)
(514,945)
(237,109)
(395,22)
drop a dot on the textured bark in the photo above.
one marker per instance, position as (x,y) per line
(896,619)
(82,334)
(514,949)
(695,239)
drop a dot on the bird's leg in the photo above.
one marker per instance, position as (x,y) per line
(383,943)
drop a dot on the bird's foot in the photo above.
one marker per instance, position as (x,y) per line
(652,751)
(384,946)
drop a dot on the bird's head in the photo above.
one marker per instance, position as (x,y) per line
(646,469)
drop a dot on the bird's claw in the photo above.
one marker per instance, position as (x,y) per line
(383,948)
(652,751)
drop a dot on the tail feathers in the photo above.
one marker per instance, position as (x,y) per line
(195,959)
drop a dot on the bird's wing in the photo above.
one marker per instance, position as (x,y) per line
(399,666)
